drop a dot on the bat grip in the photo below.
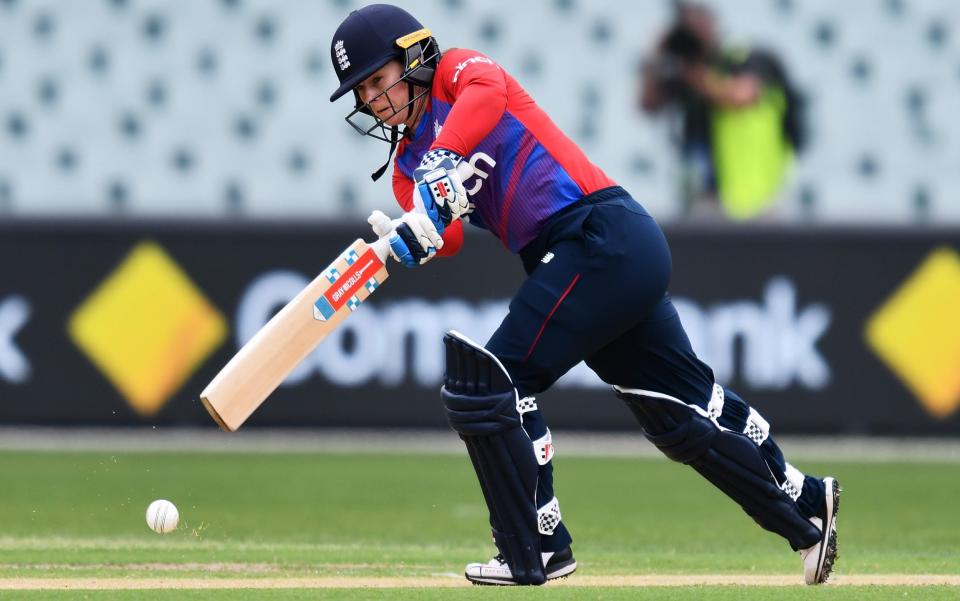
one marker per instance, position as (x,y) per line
(382,248)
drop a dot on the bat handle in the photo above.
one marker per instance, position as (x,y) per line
(382,248)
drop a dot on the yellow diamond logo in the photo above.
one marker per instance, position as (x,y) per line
(917,332)
(147,327)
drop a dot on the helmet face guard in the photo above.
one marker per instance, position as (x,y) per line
(420,55)
(367,123)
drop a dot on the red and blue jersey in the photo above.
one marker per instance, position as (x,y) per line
(526,169)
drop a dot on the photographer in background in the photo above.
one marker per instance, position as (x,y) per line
(740,119)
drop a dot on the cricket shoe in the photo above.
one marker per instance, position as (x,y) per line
(496,571)
(818,560)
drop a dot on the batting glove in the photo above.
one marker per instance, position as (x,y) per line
(413,238)
(438,188)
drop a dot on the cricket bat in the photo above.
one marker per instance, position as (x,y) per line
(263,363)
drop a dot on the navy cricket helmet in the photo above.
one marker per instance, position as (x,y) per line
(374,35)
(368,39)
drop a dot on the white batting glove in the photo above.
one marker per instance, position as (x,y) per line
(413,238)
(381,224)
(438,188)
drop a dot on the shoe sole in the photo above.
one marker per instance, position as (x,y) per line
(557,572)
(828,548)
(562,570)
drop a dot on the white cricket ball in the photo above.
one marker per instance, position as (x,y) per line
(162,516)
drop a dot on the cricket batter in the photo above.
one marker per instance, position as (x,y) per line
(598,268)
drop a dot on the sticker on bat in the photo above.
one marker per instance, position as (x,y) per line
(343,288)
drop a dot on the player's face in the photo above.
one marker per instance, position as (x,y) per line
(386,106)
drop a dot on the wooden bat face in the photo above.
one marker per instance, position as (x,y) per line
(262,364)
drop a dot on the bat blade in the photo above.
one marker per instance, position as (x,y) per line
(262,364)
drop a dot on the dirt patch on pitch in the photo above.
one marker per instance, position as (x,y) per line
(450,581)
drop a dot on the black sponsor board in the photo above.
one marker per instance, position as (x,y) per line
(782,313)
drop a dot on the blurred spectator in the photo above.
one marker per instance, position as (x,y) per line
(739,118)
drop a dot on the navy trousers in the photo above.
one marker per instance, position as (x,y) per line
(597,292)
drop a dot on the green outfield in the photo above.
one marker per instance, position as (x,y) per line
(375,526)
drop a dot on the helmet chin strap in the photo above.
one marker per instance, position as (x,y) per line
(395,135)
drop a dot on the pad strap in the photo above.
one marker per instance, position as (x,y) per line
(757,428)
(543,448)
(548,517)
(526,405)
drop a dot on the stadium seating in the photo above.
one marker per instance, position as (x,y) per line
(213,108)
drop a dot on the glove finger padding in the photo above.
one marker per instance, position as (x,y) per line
(416,240)
(439,187)
(422,227)
(413,239)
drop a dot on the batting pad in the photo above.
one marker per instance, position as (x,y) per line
(482,406)
(730,460)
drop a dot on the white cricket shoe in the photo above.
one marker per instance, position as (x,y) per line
(818,560)
(496,571)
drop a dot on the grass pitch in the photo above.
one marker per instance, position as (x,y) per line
(331,526)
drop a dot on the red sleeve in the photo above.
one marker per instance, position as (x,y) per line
(452,239)
(402,189)
(477,90)
(452,235)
